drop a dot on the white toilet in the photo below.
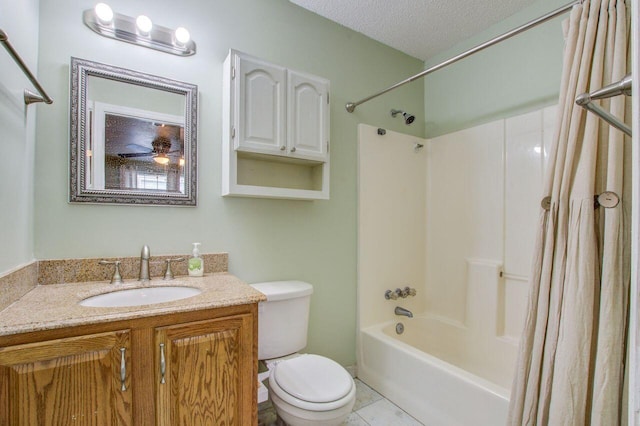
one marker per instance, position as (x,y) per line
(305,389)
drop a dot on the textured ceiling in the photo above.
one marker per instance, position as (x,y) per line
(420,28)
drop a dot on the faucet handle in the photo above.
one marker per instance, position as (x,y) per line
(407,291)
(391,294)
(116,278)
(168,275)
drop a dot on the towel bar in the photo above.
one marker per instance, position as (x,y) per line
(29,96)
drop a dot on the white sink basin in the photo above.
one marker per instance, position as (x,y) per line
(140,296)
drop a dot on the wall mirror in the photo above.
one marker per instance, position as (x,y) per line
(133,137)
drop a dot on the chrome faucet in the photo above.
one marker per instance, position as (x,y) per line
(144,263)
(403,312)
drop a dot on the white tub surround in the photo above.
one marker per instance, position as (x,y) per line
(455,220)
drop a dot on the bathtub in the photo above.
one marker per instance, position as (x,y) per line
(437,373)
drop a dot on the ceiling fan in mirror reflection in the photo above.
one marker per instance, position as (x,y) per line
(131,137)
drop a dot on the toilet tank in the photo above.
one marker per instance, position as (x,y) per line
(283,318)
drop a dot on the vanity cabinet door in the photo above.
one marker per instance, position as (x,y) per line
(206,372)
(78,380)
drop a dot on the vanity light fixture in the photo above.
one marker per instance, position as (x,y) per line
(141,31)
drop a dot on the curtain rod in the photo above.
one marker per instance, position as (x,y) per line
(622,87)
(351,106)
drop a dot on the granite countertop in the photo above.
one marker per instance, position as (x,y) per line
(57,305)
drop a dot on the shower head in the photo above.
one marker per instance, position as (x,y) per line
(408,118)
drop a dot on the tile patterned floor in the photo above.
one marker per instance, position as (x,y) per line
(370,409)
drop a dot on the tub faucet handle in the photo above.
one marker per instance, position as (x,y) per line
(116,278)
(390,295)
(408,291)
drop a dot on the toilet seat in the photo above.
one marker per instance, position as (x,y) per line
(312,382)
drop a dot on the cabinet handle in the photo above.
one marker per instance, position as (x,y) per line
(293,149)
(282,148)
(123,369)
(163,364)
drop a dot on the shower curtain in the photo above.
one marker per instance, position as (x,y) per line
(572,351)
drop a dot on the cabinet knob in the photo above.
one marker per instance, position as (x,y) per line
(293,149)
(282,148)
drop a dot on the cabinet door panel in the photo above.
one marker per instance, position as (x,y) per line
(66,381)
(308,116)
(261,107)
(209,373)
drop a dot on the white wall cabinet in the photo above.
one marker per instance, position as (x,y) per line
(275,131)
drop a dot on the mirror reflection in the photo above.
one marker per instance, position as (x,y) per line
(136,138)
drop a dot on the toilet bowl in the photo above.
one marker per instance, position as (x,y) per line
(311,390)
(305,389)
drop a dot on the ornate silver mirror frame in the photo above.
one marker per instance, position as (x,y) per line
(95,133)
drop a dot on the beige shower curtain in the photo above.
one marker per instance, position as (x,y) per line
(572,351)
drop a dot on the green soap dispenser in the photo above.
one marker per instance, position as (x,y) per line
(196,264)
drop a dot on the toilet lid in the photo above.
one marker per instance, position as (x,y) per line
(313,378)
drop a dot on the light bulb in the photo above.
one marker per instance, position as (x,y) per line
(161,159)
(182,35)
(144,24)
(181,161)
(104,13)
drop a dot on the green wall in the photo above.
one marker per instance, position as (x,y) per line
(509,78)
(17,127)
(266,239)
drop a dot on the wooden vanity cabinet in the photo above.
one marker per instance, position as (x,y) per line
(205,366)
(77,380)
(75,376)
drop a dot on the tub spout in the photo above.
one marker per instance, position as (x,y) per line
(403,312)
